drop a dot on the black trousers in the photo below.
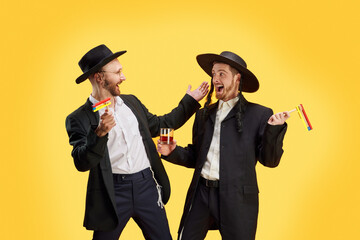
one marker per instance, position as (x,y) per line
(204,213)
(137,197)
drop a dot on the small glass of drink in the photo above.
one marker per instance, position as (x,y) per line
(166,135)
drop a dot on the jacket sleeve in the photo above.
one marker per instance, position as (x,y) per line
(88,148)
(175,119)
(271,143)
(182,156)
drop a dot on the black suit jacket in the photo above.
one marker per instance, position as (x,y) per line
(239,153)
(90,153)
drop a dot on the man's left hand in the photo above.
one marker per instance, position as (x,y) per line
(200,92)
(278,118)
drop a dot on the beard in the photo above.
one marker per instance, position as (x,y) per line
(227,92)
(112,88)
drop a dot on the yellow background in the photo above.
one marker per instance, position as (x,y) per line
(301,51)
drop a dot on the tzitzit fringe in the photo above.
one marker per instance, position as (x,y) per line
(158,187)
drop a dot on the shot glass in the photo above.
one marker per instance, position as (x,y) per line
(166,135)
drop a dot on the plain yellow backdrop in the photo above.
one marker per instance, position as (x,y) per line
(301,51)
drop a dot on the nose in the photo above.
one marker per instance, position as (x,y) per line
(215,78)
(122,77)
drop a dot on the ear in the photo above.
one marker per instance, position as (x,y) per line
(98,78)
(238,77)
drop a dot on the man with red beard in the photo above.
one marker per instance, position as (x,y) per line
(126,176)
(229,137)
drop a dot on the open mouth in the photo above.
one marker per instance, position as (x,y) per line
(219,88)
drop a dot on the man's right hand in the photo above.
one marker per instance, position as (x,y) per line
(166,149)
(107,122)
(200,92)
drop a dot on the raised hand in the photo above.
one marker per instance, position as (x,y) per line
(200,92)
(278,118)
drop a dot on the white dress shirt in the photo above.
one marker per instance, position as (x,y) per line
(125,145)
(210,169)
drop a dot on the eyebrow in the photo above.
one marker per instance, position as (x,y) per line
(221,70)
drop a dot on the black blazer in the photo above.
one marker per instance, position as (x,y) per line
(90,153)
(239,153)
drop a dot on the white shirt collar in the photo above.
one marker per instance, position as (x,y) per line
(230,103)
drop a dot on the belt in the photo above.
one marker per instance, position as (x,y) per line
(131,177)
(209,183)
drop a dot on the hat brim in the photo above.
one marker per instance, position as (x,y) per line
(250,83)
(97,67)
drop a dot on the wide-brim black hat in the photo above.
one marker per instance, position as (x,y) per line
(95,59)
(206,61)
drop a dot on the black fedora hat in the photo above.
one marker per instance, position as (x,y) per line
(206,61)
(95,59)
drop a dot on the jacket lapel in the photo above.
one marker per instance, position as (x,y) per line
(230,114)
(94,121)
(93,116)
(136,113)
(212,112)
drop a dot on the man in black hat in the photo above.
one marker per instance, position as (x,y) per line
(126,176)
(229,137)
